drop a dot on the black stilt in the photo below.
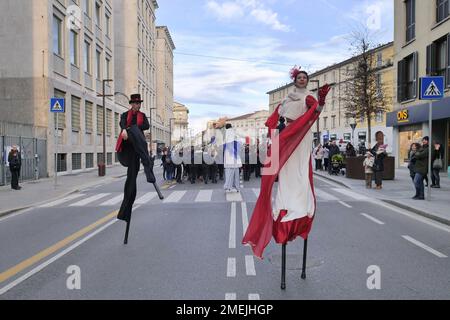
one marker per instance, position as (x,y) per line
(125,241)
(305,248)
(283,267)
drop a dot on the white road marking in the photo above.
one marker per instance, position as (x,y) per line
(204,196)
(250,266)
(244,217)
(113,201)
(324,195)
(230,296)
(351,194)
(174,197)
(89,200)
(345,204)
(48,262)
(231,267)
(60,201)
(232,238)
(253,296)
(372,218)
(146,198)
(234,197)
(424,246)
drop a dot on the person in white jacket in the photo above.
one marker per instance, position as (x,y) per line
(232,160)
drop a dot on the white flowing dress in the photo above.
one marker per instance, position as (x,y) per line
(294,192)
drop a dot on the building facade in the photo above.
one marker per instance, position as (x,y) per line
(334,121)
(64,49)
(164,80)
(422,48)
(180,131)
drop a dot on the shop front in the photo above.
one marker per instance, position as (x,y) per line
(411,125)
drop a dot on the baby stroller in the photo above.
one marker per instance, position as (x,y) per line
(336,164)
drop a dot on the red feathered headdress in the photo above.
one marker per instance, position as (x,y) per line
(294,72)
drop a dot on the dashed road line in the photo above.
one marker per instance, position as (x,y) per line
(424,246)
(231,268)
(232,236)
(372,218)
(250,266)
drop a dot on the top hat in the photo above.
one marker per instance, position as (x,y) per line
(136,98)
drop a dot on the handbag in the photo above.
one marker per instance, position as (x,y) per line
(437,164)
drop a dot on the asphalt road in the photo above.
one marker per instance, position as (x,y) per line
(189,247)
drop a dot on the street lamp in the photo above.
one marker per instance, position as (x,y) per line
(151,131)
(352,123)
(318,129)
(102,166)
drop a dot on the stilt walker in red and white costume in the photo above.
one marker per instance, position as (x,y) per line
(295,203)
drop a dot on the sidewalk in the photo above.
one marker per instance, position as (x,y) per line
(43,190)
(399,192)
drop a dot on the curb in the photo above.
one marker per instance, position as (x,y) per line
(331,179)
(417,211)
(396,204)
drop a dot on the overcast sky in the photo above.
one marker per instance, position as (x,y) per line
(256,43)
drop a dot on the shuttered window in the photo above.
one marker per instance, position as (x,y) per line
(448,60)
(99,119)
(407,78)
(76,123)
(410,20)
(76,161)
(88,117)
(116,124)
(108,122)
(61,116)
(438,63)
(89,160)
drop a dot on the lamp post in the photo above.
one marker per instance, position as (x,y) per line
(151,131)
(353,126)
(318,129)
(102,165)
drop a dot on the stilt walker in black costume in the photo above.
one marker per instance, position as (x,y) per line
(131,148)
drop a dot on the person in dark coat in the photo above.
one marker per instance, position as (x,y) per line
(412,159)
(15,163)
(333,149)
(131,148)
(421,169)
(379,152)
(437,154)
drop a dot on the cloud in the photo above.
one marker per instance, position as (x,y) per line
(238,9)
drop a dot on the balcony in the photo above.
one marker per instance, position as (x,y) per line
(59,65)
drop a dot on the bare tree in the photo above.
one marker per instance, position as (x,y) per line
(365,94)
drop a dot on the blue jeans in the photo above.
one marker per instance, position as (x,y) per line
(418,183)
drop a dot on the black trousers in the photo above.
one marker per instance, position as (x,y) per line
(378,178)
(246,169)
(15,174)
(213,172)
(435,178)
(179,172)
(221,169)
(258,170)
(130,189)
(192,173)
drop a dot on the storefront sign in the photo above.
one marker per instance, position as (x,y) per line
(403,116)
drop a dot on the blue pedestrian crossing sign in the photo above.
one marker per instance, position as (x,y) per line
(431,88)
(57,105)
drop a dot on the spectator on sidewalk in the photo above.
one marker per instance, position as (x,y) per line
(421,169)
(412,159)
(318,155)
(379,152)
(15,163)
(368,169)
(326,156)
(350,150)
(232,160)
(437,163)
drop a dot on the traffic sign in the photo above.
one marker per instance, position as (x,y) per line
(57,105)
(431,88)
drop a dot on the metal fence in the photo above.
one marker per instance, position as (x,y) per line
(34,158)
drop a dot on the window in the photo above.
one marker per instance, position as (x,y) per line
(407,78)
(61,163)
(325,122)
(89,160)
(87,57)
(99,119)
(333,122)
(88,116)
(438,63)
(108,25)
(61,116)
(74,48)
(442,10)
(98,73)
(108,122)
(379,85)
(108,67)
(75,113)
(410,20)
(379,59)
(76,161)
(57,36)
(379,116)
(87,7)
(97,14)
(116,124)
